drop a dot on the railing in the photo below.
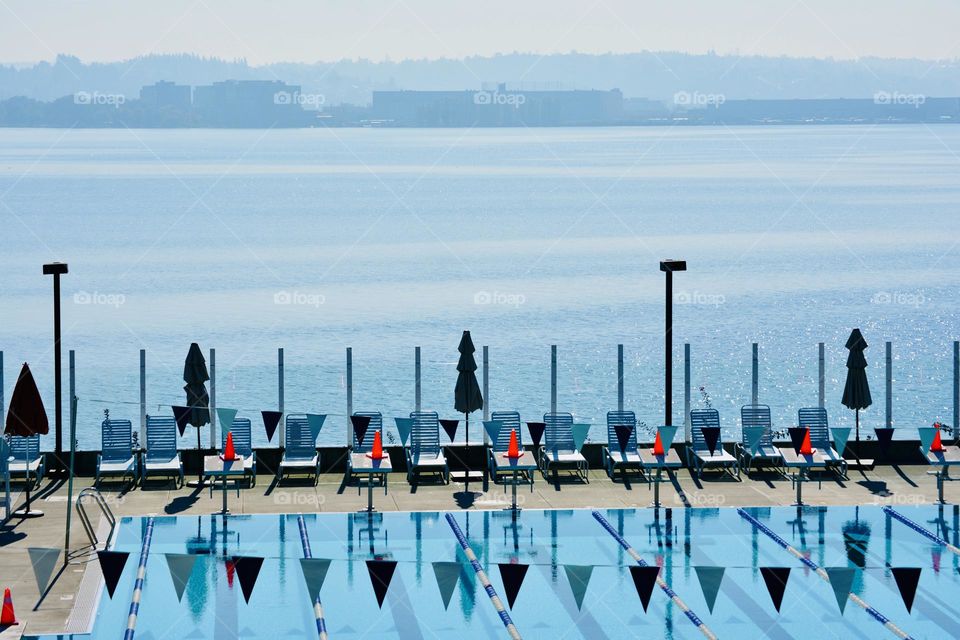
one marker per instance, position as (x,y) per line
(91,492)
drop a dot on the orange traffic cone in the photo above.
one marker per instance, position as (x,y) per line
(806,449)
(937,445)
(229,453)
(7,617)
(513,450)
(658,446)
(377,452)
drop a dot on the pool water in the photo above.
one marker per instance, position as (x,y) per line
(559,547)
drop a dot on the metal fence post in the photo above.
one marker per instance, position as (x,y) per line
(416,378)
(349,395)
(73,450)
(486,387)
(283,434)
(821,377)
(755,387)
(619,377)
(143,397)
(686,392)
(213,399)
(889,350)
(956,390)
(553,378)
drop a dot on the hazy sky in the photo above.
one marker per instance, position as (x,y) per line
(312,30)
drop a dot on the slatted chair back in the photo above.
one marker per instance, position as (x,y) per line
(558,434)
(242,432)
(425,434)
(621,419)
(757,415)
(25,448)
(299,439)
(700,418)
(815,418)
(161,438)
(509,420)
(376,424)
(116,440)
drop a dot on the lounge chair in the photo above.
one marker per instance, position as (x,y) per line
(559,449)
(116,457)
(5,500)
(300,454)
(26,459)
(496,465)
(375,426)
(948,457)
(162,457)
(424,454)
(628,457)
(815,419)
(242,445)
(757,416)
(698,454)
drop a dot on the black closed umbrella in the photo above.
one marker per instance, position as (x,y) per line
(195,375)
(856,391)
(467,396)
(26,417)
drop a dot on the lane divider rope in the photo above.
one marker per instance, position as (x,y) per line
(138,585)
(921,530)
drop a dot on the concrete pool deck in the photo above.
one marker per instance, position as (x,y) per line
(903,485)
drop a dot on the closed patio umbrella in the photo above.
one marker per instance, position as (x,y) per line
(26,417)
(467,396)
(195,375)
(856,391)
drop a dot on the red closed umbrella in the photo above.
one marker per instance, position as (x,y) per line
(26,417)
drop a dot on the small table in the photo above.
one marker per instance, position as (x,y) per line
(648,460)
(216,467)
(362,464)
(949,457)
(802,463)
(526,463)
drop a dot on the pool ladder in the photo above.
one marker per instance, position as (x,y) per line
(98,499)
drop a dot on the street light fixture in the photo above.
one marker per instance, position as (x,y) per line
(56,269)
(669,267)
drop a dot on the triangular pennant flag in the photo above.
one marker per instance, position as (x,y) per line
(937,445)
(512,575)
(450,427)
(404,427)
(884,436)
(796,437)
(841,579)
(43,562)
(578,575)
(270,421)
(314,573)
(112,564)
(644,578)
(806,447)
(776,581)
(315,422)
(907,579)
(840,437)
(447,574)
(712,436)
(926,438)
(381,573)
(360,424)
(182,416)
(181,568)
(248,570)
(492,427)
(752,436)
(667,434)
(580,432)
(710,579)
(624,432)
(536,430)
(225,418)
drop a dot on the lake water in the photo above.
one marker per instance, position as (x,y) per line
(382,240)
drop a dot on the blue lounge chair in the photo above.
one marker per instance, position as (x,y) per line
(559,449)
(162,457)
(757,415)
(116,457)
(815,418)
(616,458)
(509,421)
(300,454)
(26,460)
(424,454)
(698,454)
(375,426)
(242,445)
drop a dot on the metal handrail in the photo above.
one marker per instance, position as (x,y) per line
(91,492)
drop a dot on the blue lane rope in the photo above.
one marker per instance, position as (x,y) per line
(484,580)
(876,615)
(138,585)
(693,617)
(317,605)
(921,530)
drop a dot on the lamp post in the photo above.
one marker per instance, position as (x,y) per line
(668,267)
(56,269)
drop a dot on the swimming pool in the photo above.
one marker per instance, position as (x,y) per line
(577,582)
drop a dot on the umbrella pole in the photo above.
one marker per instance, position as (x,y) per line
(200,457)
(466,485)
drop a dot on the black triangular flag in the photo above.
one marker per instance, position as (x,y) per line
(512,575)
(181,568)
(112,564)
(248,570)
(360,424)
(578,575)
(182,416)
(907,579)
(270,421)
(643,579)
(712,436)
(450,427)
(381,573)
(776,580)
(796,437)
(536,433)
(447,573)
(623,435)
(884,436)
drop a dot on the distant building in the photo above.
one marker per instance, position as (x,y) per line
(249,103)
(164,94)
(882,108)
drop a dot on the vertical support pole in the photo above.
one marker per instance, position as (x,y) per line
(57,373)
(686,392)
(755,386)
(73,450)
(3,413)
(619,377)
(821,376)
(668,353)
(486,387)
(416,378)
(889,350)
(349,396)
(956,390)
(283,434)
(213,399)
(553,378)
(143,397)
